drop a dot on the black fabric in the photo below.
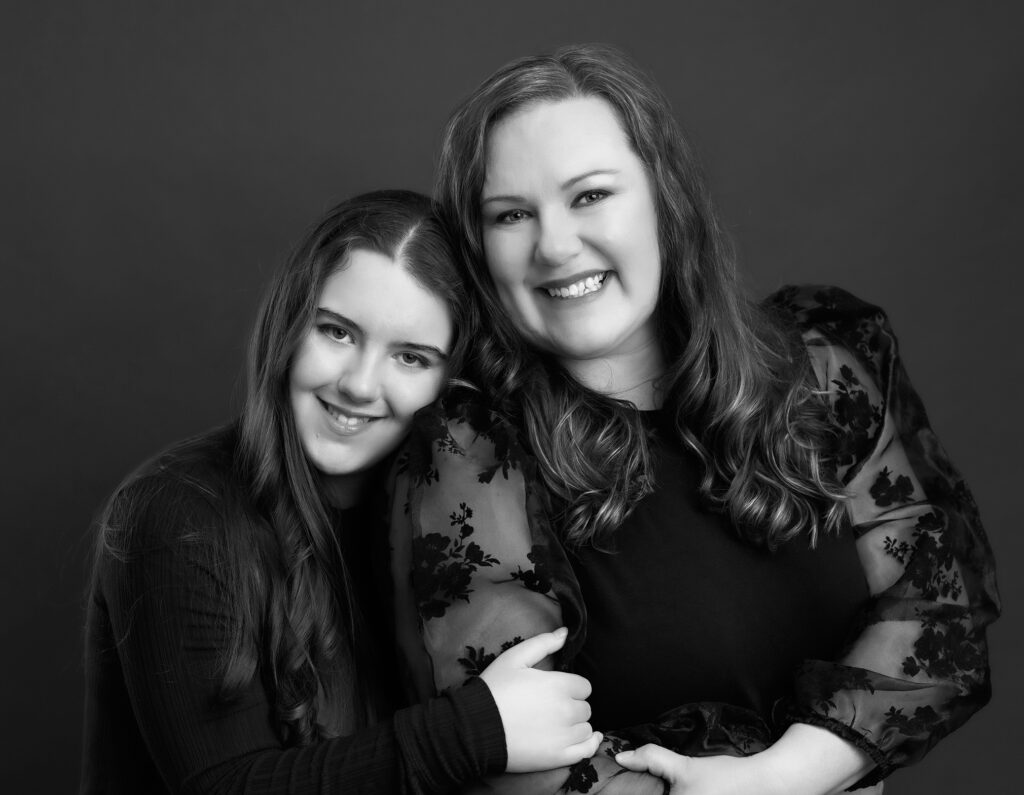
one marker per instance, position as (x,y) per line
(485,565)
(158,623)
(722,620)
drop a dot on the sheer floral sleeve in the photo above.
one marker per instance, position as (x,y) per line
(478,567)
(918,666)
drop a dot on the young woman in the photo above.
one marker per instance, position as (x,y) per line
(235,633)
(772,575)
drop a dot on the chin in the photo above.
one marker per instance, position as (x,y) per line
(584,349)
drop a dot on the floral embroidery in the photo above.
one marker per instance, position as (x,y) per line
(443,566)
(887,492)
(539,577)
(582,776)
(477,659)
(924,651)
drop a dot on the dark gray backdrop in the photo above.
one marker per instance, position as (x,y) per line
(158,159)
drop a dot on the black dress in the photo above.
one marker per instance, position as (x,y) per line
(892,658)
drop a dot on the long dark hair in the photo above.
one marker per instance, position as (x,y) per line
(737,382)
(295,618)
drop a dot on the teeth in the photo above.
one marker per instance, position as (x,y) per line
(345,419)
(589,285)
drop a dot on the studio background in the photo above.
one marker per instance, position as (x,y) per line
(159,160)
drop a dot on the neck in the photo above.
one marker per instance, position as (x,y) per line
(343,491)
(631,376)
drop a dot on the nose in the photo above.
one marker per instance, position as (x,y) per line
(360,378)
(558,239)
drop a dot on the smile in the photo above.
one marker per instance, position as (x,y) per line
(591,284)
(345,422)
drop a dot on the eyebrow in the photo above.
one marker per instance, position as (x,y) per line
(564,186)
(407,344)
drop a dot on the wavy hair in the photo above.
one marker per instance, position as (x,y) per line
(295,616)
(738,382)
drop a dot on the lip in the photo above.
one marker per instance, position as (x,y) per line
(580,289)
(558,284)
(349,422)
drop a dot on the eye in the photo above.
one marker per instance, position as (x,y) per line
(590,197)
(335,332)
(511,217)
(410,359)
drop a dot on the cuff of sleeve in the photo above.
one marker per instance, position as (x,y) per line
(452,739)
(882,766)
(481,726)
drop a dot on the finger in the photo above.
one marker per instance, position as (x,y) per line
(585,749)
(532,650)
(579,732)
(577,686)
(652,759)
(578,712)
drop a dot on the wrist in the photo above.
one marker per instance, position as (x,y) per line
(773,774)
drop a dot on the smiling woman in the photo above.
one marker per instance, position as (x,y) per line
(571,233)
(363,370)
(772,575)
(235,637)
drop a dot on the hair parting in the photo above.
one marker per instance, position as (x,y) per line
(293,617)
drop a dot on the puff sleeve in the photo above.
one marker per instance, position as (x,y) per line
(477,569)
(917,667)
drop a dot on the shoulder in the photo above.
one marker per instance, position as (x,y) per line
(184,492)
(464,432)
(837,325)
(852,352)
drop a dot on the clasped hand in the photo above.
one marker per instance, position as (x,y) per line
(545,713)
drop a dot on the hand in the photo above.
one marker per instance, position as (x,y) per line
(544,713)
(706,775)
(806,760)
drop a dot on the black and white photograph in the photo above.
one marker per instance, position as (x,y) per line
(535,398)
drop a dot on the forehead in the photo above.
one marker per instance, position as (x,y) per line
(561,138)
(386,301)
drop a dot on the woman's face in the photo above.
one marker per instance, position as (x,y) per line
(376,353)
(570,230)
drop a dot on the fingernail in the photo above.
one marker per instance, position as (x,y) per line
(562,631)
(624,755)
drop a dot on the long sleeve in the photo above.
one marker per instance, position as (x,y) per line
(477,568)
(159,622)
(918,666)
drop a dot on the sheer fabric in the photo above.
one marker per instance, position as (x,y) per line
(478,566)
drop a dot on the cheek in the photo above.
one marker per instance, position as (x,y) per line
(409,395)
(305,366)
(507,257)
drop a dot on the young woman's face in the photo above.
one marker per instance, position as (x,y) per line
(570,230)
(376,353)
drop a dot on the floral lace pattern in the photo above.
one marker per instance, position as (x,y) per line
(478,567)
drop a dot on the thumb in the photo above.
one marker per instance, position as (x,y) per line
(532,650)
(652,759)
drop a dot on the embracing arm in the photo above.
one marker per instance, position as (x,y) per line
(918,667)
(160,623)
(476,571)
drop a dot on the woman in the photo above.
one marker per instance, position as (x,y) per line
(235,640)
(766,562)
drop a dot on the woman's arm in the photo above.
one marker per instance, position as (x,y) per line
(918,667)
(806,760)
(476,570)
(166,620)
